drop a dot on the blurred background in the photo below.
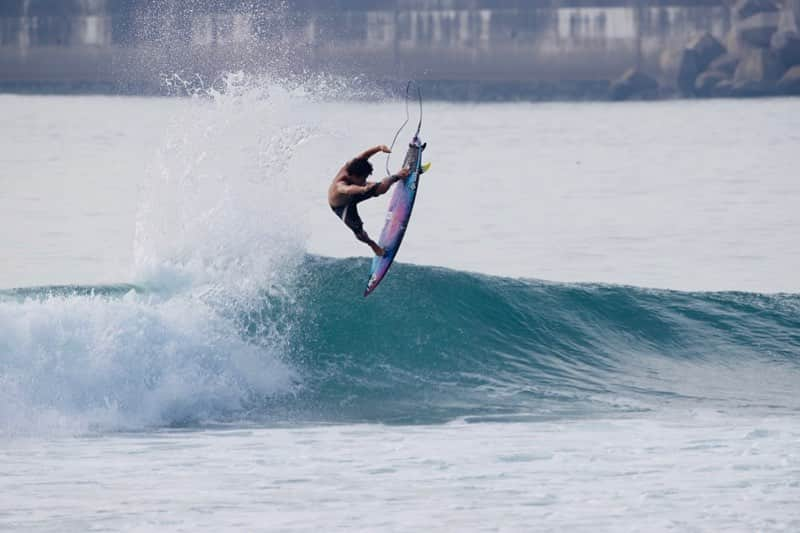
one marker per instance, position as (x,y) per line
(461,49)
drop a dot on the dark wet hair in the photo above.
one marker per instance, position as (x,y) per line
(359,167)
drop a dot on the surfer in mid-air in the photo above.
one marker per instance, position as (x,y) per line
(350,187)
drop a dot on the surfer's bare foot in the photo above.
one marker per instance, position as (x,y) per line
(378,250)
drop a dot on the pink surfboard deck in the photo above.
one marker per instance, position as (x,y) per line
(398,215)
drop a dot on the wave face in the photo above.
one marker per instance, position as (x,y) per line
(430,346)
(437,343)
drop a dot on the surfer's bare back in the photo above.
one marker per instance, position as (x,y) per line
(350,186)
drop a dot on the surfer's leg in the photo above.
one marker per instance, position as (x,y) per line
(354,222)
(363,237)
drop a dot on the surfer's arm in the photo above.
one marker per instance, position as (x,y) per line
(366,154)
(352,190)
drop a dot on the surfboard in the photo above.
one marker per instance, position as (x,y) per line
(398,214)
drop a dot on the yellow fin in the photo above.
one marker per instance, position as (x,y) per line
(425,167)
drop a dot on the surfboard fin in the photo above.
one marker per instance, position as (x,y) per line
(425,167)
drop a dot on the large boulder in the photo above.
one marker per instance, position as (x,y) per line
(758,65)
(757,74)
(747,8)
(790,16)
(708,81)
(786,45)
(706,49)
(733,43)
(753,89)
(794,12)
(633,84)
(726,63)
(790,82)
(757,30)
(688,70)
(694,59)
(723,89)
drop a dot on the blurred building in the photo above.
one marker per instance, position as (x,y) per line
(561,44)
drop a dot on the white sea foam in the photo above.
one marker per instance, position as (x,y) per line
(78,363)
(218,231)
(217,208)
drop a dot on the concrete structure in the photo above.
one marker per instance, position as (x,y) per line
(550,45)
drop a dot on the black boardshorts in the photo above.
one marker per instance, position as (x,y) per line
(349,212)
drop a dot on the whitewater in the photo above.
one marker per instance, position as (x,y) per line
(593,324)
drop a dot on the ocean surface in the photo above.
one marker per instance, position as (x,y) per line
(593,323)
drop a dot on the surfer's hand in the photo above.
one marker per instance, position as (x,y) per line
(385,149)
(403,173)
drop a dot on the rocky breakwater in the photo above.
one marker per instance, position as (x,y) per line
(760,56)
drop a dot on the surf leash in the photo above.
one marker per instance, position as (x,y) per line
(419,96)
(419,124)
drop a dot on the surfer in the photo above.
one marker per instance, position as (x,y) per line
(350,186)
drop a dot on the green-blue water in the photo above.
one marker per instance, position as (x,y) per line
(433,345)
